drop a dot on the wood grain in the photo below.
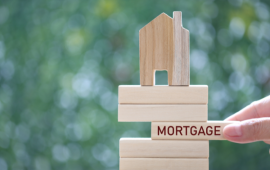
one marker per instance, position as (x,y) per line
(181,67)
(135,94)
(211,130)
(147,148)
(156,47)
(164,45)
(163,164)
(158,112)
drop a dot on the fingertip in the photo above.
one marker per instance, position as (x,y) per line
(233,130)
(228,119)
(267,141)
(233,133)
(231,118)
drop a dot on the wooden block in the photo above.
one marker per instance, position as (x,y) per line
(211,130)
(163,164)
(164,45)
(134,94)
(156,47)
(147,148)
(181,68)
(152,113)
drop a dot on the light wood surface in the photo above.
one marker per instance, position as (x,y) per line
(163,164)
(181,67)
(211,130)
(159,112)
(147,148)
(135,94)
(164,45)
(156,47)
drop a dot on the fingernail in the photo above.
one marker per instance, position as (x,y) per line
(233,130)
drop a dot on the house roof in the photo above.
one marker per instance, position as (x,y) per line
(159,16)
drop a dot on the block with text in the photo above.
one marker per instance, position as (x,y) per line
(211,130)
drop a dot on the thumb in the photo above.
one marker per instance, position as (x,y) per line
(248,131)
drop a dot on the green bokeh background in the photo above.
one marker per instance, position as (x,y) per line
(61,62)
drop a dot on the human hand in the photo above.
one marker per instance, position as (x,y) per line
(254,123)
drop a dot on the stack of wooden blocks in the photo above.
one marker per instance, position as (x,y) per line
(180,132)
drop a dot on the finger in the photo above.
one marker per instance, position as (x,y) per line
(256,109)
(248,112)
(248,131)
(267,142)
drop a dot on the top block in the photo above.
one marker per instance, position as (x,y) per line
(164,45)
(134,94)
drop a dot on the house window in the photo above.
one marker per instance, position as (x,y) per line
(161,77)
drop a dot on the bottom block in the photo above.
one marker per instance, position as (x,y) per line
(163,164)
(147,148)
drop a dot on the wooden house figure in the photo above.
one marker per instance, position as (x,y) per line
(164,45)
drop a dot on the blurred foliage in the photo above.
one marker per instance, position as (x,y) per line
(61,63)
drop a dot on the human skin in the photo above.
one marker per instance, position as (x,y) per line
(254,123)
